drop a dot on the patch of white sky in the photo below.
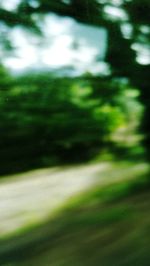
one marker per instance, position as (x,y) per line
(9,4)
(115,13)
(66,43)
(143,53)
(142,49)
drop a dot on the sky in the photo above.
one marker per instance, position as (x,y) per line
(65,43)
(9,4)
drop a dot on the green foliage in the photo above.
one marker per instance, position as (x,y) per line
(51,120)
(46,120)
(128,35)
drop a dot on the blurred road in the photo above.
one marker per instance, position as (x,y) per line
(28,198)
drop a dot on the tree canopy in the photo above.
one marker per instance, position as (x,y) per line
(71,115)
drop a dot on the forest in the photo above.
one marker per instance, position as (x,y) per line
(74,128)
(49,117)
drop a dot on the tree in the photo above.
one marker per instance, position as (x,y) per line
(121,53)
(46,120)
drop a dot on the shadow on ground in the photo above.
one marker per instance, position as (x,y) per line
(107,227)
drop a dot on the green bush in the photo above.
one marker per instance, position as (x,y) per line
(46,120)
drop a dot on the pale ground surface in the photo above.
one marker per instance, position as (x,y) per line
(29,198)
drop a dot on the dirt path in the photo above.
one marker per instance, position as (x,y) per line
(30,197)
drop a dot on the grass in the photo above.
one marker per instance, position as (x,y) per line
(107,226)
